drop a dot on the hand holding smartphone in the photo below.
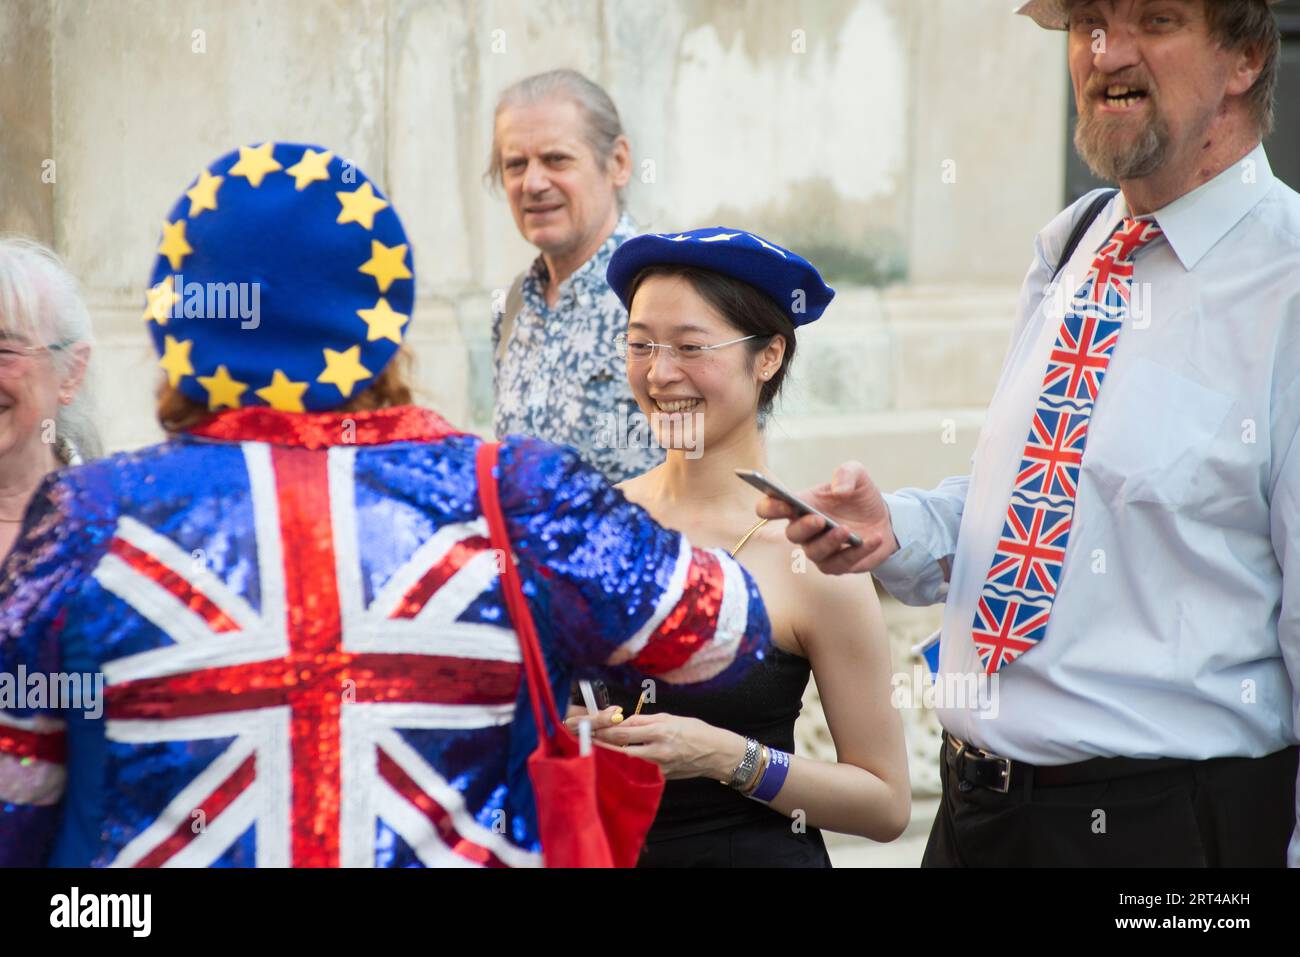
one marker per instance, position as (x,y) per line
(776,490)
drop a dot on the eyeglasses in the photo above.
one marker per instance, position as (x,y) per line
(641,349)
(15,360)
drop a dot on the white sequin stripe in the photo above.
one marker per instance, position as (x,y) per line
(359,726)
(270,554)
(414,828)
(269,639)
(733,618)
(667,602)
(157,604)
(434,631)
(470,580)
(417,830)
(460,639)
(347,550)
(215,651)
(424,558)
(357,796)
(264,733)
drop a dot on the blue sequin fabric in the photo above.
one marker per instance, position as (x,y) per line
(304,652)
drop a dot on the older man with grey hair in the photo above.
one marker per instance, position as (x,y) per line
(1125,582)
(559,152)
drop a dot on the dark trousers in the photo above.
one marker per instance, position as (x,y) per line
(1225,812)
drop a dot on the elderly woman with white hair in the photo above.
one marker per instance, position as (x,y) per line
(45,344)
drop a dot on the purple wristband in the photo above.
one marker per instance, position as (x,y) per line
(778,765)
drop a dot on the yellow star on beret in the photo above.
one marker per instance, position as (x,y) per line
(254,163)
(386,264)
(161,299)
(360,206)
(174,245)
(283,393)
(313,167)
(222,389)
(176,359)
(383,322)
(344,369)
(203,194)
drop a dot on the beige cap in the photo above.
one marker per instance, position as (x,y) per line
(1052,14)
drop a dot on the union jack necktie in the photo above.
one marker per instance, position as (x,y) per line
(1015,602)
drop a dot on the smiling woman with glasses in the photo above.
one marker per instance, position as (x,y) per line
(45,344)
(710,336)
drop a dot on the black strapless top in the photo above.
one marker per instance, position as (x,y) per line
(763,705)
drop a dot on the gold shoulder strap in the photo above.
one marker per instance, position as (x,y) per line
(757,525)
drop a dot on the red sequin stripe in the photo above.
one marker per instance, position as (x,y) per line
(317,675)
(320,430)
(691,624)
(366,677)
(51,746)
(418,595)
(315,638)
(213,805)
(438,816)
(151,568)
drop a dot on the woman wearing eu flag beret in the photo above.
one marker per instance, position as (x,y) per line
(306,630)
(710,337)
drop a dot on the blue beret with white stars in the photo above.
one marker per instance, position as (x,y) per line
(283,279)
(792,282)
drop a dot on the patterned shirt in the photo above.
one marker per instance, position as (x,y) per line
(560,378)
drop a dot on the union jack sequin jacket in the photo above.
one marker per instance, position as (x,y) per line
(304,653)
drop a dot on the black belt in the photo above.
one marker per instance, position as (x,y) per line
(975,767)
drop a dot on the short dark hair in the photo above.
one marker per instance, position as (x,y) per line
(751,311)
(1250,24)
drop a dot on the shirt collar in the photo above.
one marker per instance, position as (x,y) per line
(319,430)
(624,230)
(1196,221)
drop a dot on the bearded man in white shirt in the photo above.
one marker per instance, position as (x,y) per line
(1125,582)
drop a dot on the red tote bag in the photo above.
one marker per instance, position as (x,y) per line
(592,811)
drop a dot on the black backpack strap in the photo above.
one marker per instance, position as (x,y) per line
(1076,235)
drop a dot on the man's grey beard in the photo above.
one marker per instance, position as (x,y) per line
(1135,160)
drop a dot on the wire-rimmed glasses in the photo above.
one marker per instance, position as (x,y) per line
(639,348)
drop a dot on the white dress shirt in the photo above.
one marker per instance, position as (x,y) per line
(1178,607)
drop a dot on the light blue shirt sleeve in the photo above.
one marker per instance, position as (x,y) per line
(1284,520)
(925,524)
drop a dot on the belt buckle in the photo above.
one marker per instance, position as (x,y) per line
(1005,763)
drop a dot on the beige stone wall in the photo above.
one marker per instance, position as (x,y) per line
(911,148)
(872,134)
(26,107)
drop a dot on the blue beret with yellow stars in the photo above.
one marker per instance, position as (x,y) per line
(792,282)
(283,279)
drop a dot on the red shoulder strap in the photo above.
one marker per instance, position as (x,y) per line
(539,686)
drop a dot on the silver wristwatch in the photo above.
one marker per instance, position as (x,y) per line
(748,766)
